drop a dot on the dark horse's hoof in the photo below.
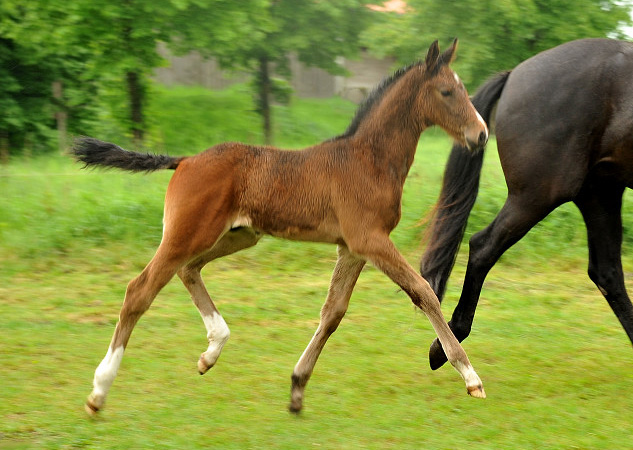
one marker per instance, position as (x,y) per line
(437,357)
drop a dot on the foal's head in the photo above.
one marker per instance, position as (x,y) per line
(443,100)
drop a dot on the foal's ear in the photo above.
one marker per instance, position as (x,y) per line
(449,55)
(432,55)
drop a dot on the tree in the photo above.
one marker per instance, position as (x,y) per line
(123,36)
(495,35)
(316,31)
(30,63)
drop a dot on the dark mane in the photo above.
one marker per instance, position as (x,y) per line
(373,99)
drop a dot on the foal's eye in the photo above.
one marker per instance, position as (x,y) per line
(446,92)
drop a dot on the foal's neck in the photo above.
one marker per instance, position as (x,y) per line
(393,128)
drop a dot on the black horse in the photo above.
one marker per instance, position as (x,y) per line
(564,126)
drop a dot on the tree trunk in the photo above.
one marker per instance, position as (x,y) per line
(61,117)
(264,98)
(135,90)
(4,147)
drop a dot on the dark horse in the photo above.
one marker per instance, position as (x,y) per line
(564,126)
(345,191)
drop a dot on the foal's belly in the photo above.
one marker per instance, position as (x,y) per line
(300,229)
(305,235)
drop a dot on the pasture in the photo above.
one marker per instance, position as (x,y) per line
(556,366)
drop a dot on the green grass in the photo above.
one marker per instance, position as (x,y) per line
(555,363)
(189,120)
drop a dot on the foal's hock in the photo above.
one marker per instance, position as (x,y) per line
(345,191)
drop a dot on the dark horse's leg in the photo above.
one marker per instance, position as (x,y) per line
(518,215)
(600,205)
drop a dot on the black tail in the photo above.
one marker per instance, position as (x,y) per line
(93,152)
(459,192)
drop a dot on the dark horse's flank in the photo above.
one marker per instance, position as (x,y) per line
(564,126)
(345,191)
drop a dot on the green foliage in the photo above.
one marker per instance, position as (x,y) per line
(24,82)
(317,32)
(280,91)
(35,51)
(103,53)
(495,35)
(123,38)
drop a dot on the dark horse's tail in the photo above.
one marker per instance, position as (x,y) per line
(93,152)
(459,192)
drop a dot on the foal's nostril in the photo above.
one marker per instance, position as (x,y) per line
(483,138)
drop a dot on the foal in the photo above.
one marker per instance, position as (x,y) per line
(344,191)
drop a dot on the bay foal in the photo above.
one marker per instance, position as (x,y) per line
(345,191)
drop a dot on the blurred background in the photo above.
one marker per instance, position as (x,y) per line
(96,67)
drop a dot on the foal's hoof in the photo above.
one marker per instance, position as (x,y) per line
(204,365)
(295,407)
(437,357)
(92,407)
(91,410)
(476,391)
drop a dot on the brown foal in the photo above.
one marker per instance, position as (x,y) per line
(345,191)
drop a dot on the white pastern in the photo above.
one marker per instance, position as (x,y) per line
(217,333)
(473,382)
(468,374)
(106,372)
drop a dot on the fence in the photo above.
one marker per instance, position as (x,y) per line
(364,74)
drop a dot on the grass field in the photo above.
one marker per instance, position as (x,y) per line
(555,363)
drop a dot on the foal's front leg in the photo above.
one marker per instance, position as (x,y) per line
(346,272)
(384,255)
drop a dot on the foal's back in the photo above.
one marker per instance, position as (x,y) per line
(293,194)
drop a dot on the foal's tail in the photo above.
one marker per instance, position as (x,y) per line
(458,195)
(93,152)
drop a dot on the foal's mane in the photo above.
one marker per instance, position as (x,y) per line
(374,98)
(379,91)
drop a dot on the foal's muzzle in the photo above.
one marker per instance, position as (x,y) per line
(479,142)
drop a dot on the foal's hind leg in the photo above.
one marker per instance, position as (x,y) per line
(217,330)
(139,295)
(179,245)
(346,272)
(601,209)
(383,254)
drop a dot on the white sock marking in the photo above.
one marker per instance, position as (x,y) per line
(105,373)
(217,333)
(468,374)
